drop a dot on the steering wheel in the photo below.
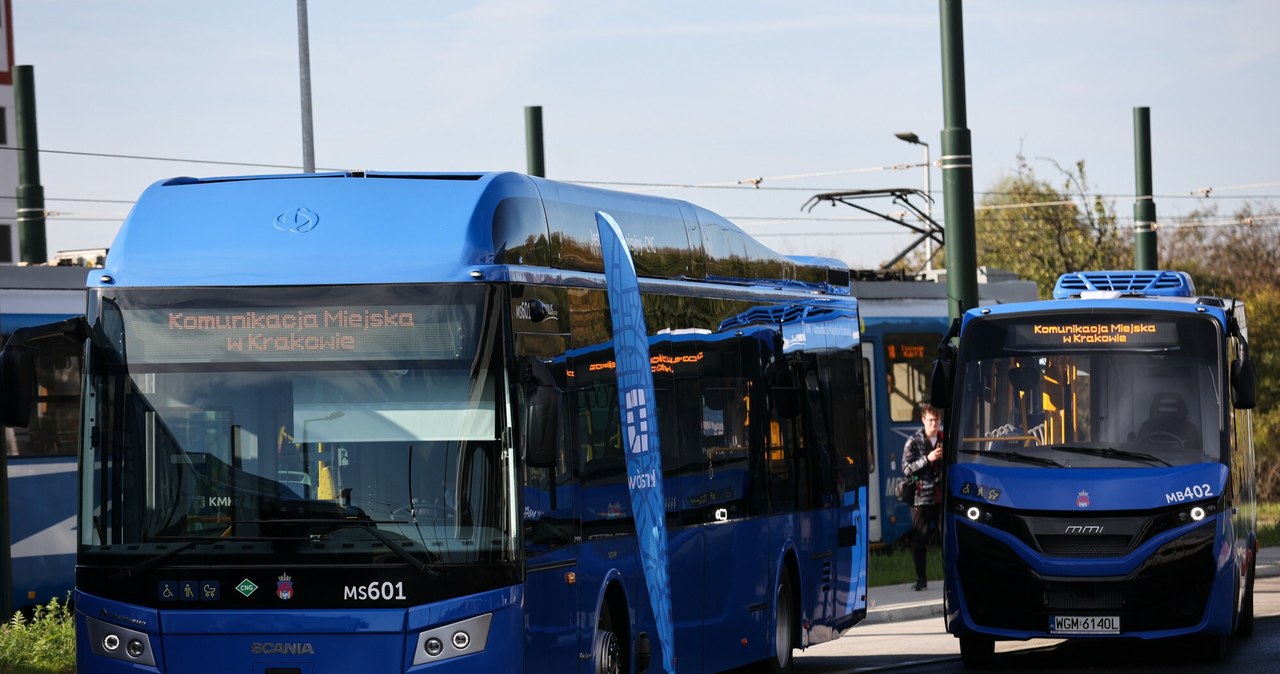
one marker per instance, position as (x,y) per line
(1164,438)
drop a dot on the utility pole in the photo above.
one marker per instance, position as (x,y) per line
(533,140)
(1144,205)
(957,168)
(31,242)
(304,77)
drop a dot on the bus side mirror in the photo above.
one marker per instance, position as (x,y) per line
(786,400)
(541,422)
(17,384)
(783,392)
(18,366)
(1243,384)
(940,384)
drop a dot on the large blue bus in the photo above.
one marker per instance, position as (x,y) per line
(370,422)
(1100,468)
(903,320)
(41,456)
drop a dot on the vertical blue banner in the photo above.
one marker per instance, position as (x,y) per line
(639,426)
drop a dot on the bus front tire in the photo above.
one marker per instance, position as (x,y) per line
(977,652)
(784,628)
(608,649)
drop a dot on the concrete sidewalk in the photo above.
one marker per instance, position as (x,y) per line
(899,603)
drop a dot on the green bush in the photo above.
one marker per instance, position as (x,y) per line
(45,643)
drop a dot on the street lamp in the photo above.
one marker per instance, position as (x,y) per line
(910,137)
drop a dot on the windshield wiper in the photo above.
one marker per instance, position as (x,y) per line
(1112,453)
(1014,457)
(371,527)
(187,544)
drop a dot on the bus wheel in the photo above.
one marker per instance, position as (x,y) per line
(1244,626)
(977,652)
(784,627)
(1215,647)
(608,650)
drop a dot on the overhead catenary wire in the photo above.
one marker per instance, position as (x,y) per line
(749,184)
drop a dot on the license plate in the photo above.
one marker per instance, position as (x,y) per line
(1085,624)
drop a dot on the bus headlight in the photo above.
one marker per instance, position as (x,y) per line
(1197,513)
(452,640)
(106,638)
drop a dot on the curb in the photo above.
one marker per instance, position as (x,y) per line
(897,613)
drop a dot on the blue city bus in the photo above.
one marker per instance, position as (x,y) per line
(41,456)
(370,422)
(1100,467)
(902,322)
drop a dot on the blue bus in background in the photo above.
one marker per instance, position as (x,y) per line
(903,321)
(370,422)
(1100,467)
(41,457)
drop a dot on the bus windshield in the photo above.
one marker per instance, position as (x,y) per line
(299,425)
(1056,390)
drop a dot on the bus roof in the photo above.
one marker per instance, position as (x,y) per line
(377,227)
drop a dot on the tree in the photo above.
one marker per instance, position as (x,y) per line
(1029,227)
(1239,257)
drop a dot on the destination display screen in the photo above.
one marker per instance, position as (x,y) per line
(1091,332)
(361,332)
(911,346)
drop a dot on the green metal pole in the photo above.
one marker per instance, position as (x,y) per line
(957,168)
(31,242)
(304,86)
(533,139)
(1144,205)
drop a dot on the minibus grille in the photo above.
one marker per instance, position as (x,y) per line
(1084,546)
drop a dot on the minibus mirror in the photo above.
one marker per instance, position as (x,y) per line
(940,384)
(1243,384)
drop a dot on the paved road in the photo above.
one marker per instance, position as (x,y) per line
(905,632)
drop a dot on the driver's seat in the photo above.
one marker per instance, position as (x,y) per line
(1168,417)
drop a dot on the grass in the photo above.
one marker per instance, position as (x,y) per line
(45,643)
(892,565)
(1269,525)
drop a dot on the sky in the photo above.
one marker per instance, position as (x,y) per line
(675,98)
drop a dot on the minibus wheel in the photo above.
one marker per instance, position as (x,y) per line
(977,652)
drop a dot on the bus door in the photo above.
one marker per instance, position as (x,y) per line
(552,527)
(837,463)
(874,506)
(675,367)
(735,557)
